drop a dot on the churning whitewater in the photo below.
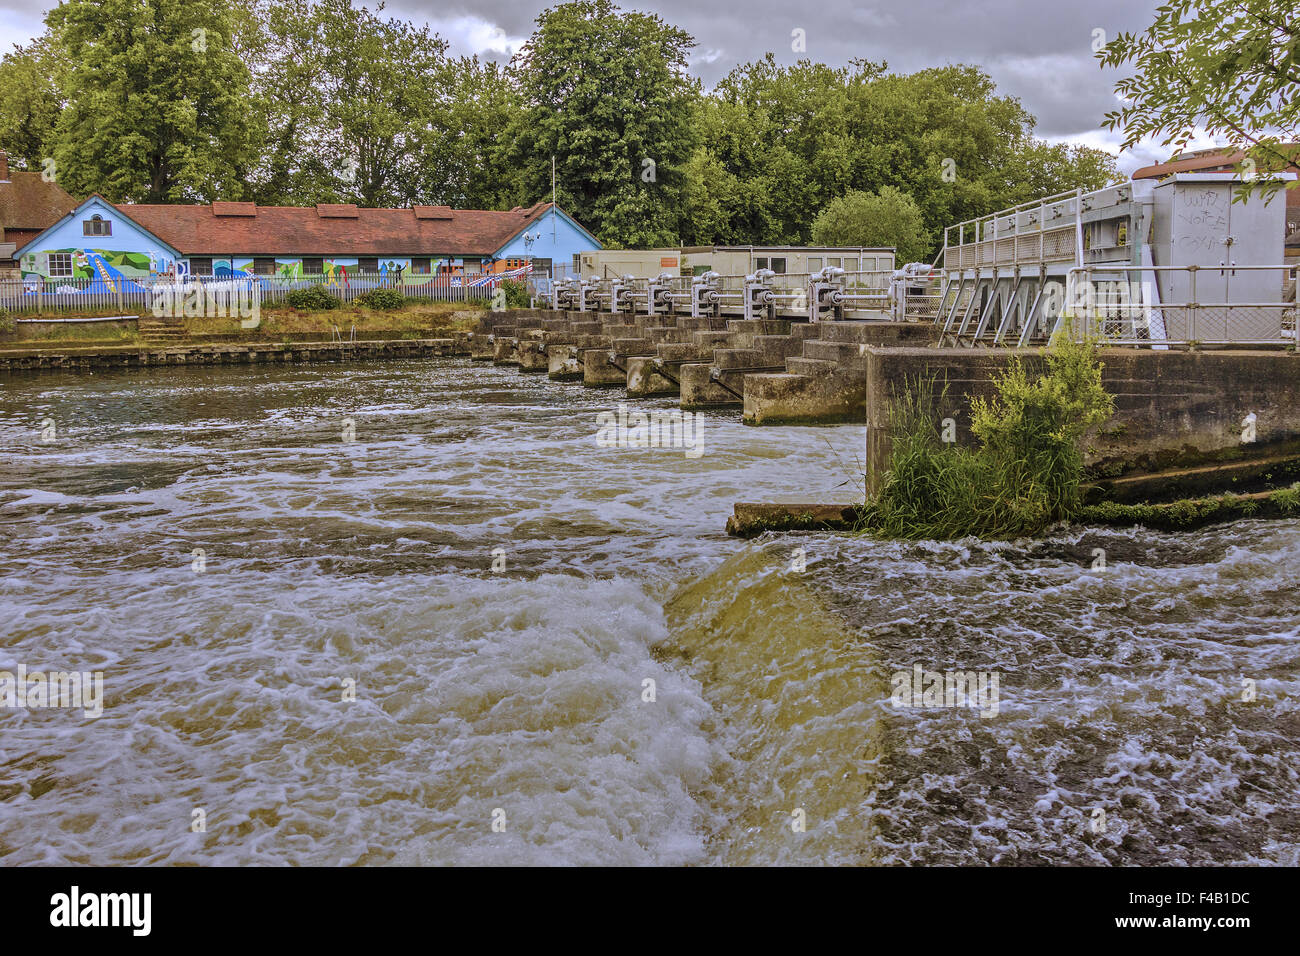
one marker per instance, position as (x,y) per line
(417,613)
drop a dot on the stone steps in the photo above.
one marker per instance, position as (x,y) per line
(711,339)
(849,355)
(684,352)
(737,358)
(760,326)
(815,367)
(779,370)
(876,333)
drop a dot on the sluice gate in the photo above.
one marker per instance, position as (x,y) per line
(1174,263)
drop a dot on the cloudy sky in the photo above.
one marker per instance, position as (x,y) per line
(1037,50)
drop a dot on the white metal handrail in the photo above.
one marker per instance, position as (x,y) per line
(1125,305)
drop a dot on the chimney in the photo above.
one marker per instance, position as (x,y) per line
(4,166)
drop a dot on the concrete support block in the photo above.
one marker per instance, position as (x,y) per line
(564,363)
(645,378)
(598,372)
(698,390)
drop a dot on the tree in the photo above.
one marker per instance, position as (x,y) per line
(155,101)
(384,82)
(779,143)
(484,104)
(607,94)
(888,218)
(771,151)
(29,103)
(282,43)
(358,108)
(1231,67)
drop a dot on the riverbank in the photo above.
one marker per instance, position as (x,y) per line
(247,353)
(416,320)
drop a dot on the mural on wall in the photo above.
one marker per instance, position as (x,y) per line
(92,263)
(111,271)
(97,270)
(342,272)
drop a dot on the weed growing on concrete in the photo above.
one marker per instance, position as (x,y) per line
(1025,472)
(1189,513)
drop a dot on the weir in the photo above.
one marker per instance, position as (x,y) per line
(1162,270)
(783,348)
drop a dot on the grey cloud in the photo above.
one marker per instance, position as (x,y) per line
(1040,52)
(1067,91)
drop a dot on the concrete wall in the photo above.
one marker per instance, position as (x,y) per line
(1172,409)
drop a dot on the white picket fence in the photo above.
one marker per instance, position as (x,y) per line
(125,294)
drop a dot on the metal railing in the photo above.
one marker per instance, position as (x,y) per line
(783,293)
(916,296)
(1041,230)
(1157,306)
(140,294)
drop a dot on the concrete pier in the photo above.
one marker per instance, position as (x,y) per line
(602,368)
(1173,410)
(826,382)
(648,376)
(564,363)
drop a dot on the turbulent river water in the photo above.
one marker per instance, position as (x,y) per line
(497,591)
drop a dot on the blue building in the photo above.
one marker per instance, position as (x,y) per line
(99,239)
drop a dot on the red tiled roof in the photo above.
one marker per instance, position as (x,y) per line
(1207,159)
(20,237)
(242,229)
(28,202)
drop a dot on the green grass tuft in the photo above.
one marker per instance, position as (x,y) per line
(1026,471)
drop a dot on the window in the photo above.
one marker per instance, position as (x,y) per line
(96,225)
(263,266)
(542,267)
(778,265)
(368,264)
(834,262)
(200,266)
(760,263)
(313,267)
(420,266)
(60,263)
(814,263)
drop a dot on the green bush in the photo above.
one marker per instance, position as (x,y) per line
(7,323)
(313,297)
(516,293)
(1026,471)
(382,299)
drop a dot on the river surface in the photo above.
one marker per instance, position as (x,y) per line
(413,613)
